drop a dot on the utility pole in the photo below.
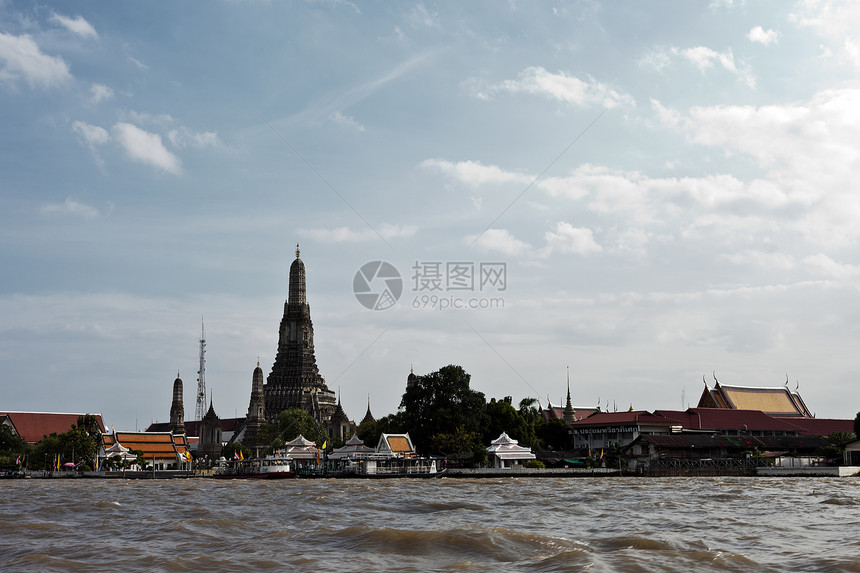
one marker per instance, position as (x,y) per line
(200,411)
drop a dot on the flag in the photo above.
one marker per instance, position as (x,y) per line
(241,455)
(18,461)
(601,453)
(324,444)
(236,455)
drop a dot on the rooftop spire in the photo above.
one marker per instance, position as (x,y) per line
(297,251)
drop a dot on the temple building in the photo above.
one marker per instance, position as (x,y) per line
(256,408)
(295,381)
(210,444)
(775,401)
(177,408)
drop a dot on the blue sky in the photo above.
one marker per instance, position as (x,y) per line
(671,186)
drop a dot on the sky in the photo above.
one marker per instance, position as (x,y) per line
(644,195)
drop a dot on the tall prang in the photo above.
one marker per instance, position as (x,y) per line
(256,408)
(177,408)
(295,381)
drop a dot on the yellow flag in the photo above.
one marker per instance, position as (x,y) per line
(324,443)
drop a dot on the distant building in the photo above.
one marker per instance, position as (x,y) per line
(33,426)
(505,452)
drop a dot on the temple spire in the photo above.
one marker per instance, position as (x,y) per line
(569,412)
(177,408)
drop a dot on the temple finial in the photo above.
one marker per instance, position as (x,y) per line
(297,250)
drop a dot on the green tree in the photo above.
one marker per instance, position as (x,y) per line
(369,432)
(230,450)
(297,421)
(834,444)
(500,416)
(440,403)
(857,425)
(458,442)
(11,446)
(554,434)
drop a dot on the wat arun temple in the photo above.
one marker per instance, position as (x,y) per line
(294,382)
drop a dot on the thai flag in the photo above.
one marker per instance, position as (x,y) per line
(236,455)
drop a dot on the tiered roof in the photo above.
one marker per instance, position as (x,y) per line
(506,448)
(397,444)
(301,448)
(158,445)
(774,401)
(353,448)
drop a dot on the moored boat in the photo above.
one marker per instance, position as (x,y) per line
(274,466)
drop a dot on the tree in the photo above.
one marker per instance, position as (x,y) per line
(500,416)
(857,425)
(369,432)
(834,444)
(440,403)
(295,421)
(232,448)
(11,446)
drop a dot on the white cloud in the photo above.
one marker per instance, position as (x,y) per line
(501,241)
(669,117)
(183,137)
(762,259)
(100,93)
(347,235)
(20,57)
(158,119)
(560,87)
(345,121)
(570,239)
(93,134)
(71,207)
(421,16)
(823,264)
(762,36)
(146,147)
(837,22)
(702,57)
(76,25)
(473,172)
(138,63)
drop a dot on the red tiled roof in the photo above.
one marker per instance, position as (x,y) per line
(33,426)
(821,426)
(161,444)
(638,417)
(725,419)
(557,412)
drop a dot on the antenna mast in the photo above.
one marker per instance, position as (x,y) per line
(201,377)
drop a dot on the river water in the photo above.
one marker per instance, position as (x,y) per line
(448,524)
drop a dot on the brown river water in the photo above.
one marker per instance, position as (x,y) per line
(448,524)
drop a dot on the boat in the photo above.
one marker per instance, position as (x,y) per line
(274,466)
